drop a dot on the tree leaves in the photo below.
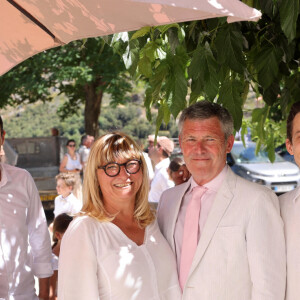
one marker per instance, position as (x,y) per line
(229,45)
(140,33)
(176,86)
(76,69)
(203,70)
(289,11)
(230,97)
(266,63)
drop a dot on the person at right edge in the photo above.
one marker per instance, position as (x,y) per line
(290,210)
(226,232)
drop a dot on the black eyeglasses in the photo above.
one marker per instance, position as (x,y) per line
(113,169)
(71,145)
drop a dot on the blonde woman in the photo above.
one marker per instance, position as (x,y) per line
(115,250)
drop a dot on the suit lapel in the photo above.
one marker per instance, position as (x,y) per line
(174,208)
(219,207)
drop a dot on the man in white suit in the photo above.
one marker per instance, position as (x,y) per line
(239,253)
(290,210)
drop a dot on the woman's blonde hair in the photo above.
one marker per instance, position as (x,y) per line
(109,148)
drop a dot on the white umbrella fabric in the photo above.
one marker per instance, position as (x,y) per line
(28,27)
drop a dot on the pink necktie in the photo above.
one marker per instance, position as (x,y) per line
(190,233)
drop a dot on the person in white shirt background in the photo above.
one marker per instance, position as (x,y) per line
(25,247)
(160,154)
(115,250)
(147,159)
(66,202)
(290,210)
(84,149)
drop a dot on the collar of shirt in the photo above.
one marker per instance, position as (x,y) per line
(66,198)
(4,175)
(162,164)
(212,185)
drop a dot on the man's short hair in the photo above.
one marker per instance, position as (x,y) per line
(295,109)
(203,110)
(83,139)
(68,178)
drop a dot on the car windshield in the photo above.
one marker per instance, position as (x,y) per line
(247,155)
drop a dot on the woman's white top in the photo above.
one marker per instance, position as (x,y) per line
(54,262)
(98,261)
(73,164)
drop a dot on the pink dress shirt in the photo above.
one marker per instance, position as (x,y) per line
(206,204)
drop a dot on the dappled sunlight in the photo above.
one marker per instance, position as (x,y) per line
(65,21)
(121,267)
(16,258)
(216,4)
(152,239)
(20,38)
(125,259)
(158,14)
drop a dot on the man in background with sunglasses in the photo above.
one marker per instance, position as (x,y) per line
(25,247)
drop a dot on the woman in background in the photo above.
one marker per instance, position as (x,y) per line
(115,250)
(178,171)
(71,163)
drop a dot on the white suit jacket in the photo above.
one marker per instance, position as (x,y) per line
(241,251)
(290,212)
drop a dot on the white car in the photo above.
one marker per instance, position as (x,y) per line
(281,176)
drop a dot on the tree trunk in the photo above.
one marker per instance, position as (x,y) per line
(93,100)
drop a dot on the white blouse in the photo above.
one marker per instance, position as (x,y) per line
(73,164)
(98,261)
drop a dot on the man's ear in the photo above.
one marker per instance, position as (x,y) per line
(229,143)
(289,146)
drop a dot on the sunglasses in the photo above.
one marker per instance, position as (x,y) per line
(71,145)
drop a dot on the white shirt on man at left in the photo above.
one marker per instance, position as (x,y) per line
(25,247)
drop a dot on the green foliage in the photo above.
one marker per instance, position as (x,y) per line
(81,70)
(229,47)
(230,97)
(289,12)
(211,59)
(36,120)
(266,134)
